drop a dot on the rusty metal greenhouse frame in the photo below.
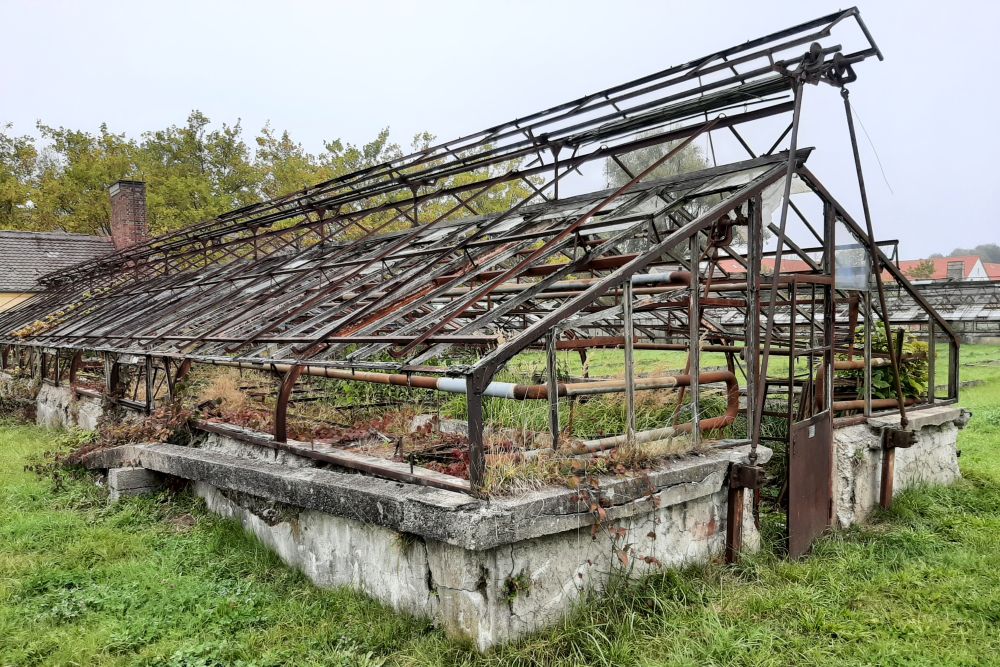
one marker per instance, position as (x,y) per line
(394,274)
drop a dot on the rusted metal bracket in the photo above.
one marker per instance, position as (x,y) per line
(741,477)
(891,439)
(894,437)
(281,408)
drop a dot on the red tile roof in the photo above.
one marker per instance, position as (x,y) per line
(940,266)
(788,265)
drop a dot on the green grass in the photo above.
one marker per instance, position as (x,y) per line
(160,582)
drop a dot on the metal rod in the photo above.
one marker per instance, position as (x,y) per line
(694,336)
(552,374)
(629,331)
(874,258)
(773,291)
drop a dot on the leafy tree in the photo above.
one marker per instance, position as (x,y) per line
(498,198)
(922,271)
(18,157)
(690,158)
(194,172)
(69,187)
(988,252)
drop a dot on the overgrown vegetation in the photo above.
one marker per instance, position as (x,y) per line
(378,419)
(913,371)
(158,581)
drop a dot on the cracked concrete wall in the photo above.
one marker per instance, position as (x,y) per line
(509,591)
(495,594)
(56,407)
(334,551)
(858,462)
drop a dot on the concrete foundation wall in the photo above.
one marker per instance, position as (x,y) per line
(487,571)
(56,407)
(858,460)
(495,594)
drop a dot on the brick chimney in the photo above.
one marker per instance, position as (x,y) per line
(128,214)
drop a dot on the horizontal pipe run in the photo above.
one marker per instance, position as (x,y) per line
(877,404)
(711,424)
(619,341)
(509,390)
(852,365)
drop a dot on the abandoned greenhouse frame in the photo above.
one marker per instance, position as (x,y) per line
(439,270)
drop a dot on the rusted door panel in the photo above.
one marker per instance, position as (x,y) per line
(810,481)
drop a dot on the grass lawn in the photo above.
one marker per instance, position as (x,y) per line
(161,582)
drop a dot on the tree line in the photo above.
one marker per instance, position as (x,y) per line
(988,252)
(194,172)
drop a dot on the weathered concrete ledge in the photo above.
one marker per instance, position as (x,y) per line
(445,516)
(486,570)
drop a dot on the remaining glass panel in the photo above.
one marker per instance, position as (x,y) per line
(852,263)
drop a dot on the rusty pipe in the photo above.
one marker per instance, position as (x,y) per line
(711,424)
(508,390)
(877,403)
(851,365)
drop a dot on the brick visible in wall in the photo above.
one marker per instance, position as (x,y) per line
(128,214)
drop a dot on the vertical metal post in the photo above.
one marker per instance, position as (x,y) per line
(108,372)
(868,351)
(694,337)
(830,305)
(477,450)
(931,359)
(150,386)
(792,350)
(765,355)
(552,376)
(888,475)
(281,407)
(752,348)
(629,331)
(74,366)
(875,262)
(953,370)
(734,520)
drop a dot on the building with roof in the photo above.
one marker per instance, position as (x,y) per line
(965,267)
(25,257)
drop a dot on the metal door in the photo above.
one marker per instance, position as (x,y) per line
(810,481)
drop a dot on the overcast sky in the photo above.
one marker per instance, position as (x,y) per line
(324,70)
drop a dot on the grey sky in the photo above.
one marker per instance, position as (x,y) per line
(328,70)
